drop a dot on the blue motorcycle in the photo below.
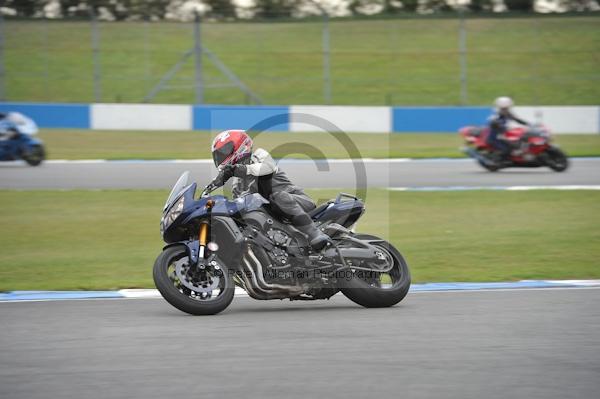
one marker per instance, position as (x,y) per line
(215,244)
(18,142)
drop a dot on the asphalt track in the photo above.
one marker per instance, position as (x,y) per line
(332,174)
(490,344)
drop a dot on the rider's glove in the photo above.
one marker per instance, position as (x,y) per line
(227,172)
(219,180)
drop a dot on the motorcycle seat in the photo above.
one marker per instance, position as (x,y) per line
(476,132)
(319,209)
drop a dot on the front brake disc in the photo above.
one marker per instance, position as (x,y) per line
(191,278)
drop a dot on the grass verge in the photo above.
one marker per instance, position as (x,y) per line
(72,240)
(94,144)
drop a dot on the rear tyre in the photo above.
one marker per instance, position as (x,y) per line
(557,160)
(490,167)
(486,160)
(34,155)
(367,289)
(204,292)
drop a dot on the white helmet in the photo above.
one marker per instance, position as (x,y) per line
(503,103)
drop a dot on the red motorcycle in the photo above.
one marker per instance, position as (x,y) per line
(530,146)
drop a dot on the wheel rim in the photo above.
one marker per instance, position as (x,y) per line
(383,280)
(35,154)
(559,162)
(200,283)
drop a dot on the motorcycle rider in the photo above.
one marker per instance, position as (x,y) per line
(13,123)
(498,125)
(257,172)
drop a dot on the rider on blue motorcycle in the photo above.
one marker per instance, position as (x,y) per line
(498,125)
(13,123)
(257,172)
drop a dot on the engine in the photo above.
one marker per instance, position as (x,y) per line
(281,240)
(277,265)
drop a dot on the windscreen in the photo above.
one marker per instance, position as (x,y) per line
(177,188)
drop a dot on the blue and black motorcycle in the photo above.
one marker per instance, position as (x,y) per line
(215,244)
(18,141)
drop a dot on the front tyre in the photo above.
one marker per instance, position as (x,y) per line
(191,289)
(556,159)
(380,290)
(34,155)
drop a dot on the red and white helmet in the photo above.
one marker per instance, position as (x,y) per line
(231,147)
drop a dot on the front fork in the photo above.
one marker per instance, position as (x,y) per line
(202,235)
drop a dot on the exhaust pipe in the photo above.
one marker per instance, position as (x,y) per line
(258,288)
(290,289)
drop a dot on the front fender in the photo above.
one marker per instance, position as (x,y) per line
(228,237)
(27,144)
(192,248)
(29,141)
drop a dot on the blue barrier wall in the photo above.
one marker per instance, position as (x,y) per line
(241,117)
(560,119)
(53,115)
(437,119)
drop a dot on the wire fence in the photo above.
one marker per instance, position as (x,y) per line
(394,61)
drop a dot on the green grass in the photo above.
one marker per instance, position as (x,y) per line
(88,144)
(549,60)
(109,239)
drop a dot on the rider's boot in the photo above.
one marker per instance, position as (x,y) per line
(316,238)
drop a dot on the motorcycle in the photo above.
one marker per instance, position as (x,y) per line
(215,244)
(17,143)
(530,147)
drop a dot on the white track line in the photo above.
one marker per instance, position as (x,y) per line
(246,295)
(497,188)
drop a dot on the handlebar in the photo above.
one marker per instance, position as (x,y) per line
(212,186)
(208,189)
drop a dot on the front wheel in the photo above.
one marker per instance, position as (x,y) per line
(192,289)
(34,155)
(556,160)
(379,290)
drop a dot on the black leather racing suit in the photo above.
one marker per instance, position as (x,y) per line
(263,176)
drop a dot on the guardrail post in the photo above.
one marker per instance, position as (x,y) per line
(326,59)
(462,54)
(199,83)
(96,57)
(2,92)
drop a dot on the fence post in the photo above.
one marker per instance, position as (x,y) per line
(198,60)
(96,57)
(326,59)
(462,49)
(46,57)
(2,92)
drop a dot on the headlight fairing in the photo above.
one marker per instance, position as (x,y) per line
(172,214)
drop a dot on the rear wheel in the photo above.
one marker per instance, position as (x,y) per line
(556,160)
(379,290)
(486,159)
(34,155)
(192,289)
(489,166)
